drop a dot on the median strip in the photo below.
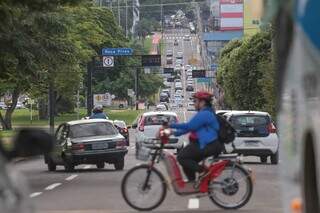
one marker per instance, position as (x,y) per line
(52,186)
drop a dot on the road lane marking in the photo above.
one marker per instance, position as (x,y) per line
(52,186)
(184,116)
(71,177)
(193,203)
(87,166)
(35,194)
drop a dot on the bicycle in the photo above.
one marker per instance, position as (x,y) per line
(144,187)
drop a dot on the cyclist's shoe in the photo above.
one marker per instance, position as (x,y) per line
(201,176)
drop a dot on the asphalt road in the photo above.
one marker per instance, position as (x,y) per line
(91,190)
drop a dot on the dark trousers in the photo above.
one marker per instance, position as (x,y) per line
(190,156)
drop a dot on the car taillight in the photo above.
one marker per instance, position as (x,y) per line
(77,146)
(272,128)
(121,144)
(125,130)
(141,126)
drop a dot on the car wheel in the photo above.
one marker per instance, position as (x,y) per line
(51,166)
(100,165)
(275,158)
(263,159)
(69,167)
(119,165)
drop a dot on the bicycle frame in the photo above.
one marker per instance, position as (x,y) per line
(176,179)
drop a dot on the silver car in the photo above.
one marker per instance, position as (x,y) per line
(148,125)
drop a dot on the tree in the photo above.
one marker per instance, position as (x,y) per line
(43,41)
(246,71)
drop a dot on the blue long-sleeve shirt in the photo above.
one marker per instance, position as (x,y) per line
(204,124)
(99,115)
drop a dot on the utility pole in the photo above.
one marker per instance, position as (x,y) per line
(119,18)
(126,18)
(161,41)
(136,87)
(51,106)
(90,66)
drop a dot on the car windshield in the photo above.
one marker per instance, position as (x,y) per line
(92,129)
(159,119)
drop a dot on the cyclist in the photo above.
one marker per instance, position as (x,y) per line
(203,137)
(97,113)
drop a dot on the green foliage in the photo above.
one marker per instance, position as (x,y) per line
(246,73)
(43,41)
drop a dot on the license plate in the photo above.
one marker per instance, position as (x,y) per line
(100,146)
(252,143)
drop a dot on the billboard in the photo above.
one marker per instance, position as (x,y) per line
(102,99)
(231,13)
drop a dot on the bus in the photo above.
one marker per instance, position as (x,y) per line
(297,45)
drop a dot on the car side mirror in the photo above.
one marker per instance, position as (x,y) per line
(30,142)
(134,126)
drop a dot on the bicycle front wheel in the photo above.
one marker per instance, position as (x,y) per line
(143,188)
(232,189)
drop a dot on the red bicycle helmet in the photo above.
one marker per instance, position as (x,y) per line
(203,95)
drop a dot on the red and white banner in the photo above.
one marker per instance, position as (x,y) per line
(231,13)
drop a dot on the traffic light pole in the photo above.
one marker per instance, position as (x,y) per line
(136,87)
(90,66)
(93,66)
(51,106)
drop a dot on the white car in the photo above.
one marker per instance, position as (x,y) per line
(173,105)
(179,92)
(161,107)
(188,67)
(3,105)
(178,86)
(178,67)
(256,135)
(190,106)
(179,61)
(148,125)
(187,38)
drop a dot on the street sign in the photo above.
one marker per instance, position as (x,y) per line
(108,61)
(151,60)
(198,73)
(130,92)
(102,99)
(117,51)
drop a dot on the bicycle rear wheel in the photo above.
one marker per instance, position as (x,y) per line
(232,189)
(143,193)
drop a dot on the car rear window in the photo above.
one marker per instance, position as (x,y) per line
(159,119)
(120,124)
(251,125)
(92,129)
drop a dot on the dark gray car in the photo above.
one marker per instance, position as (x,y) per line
(94,141)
